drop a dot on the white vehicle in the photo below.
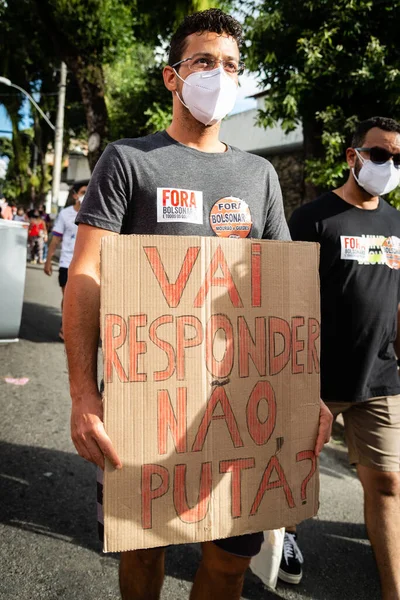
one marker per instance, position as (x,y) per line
(13,250)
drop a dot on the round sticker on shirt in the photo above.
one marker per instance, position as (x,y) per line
(231,218)
(391,252)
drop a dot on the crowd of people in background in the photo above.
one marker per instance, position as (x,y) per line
(39,225)
(49,235)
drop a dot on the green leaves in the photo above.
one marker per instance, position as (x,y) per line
(137,101)
(159,118)
(115,86)
(327,64)
(100,29)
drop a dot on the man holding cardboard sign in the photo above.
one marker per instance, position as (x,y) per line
(185,182)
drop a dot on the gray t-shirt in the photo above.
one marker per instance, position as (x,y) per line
(155,185)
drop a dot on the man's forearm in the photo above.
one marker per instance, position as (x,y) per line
(55,241)
(397,347)
(81,324)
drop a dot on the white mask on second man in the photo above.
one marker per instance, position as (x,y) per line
(376,179)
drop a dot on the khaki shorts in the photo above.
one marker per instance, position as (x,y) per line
(372,431)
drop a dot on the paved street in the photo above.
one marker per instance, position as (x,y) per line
(49,545)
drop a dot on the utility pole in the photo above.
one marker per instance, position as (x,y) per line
(58,140)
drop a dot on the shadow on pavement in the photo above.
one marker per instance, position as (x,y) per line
(53,493)
(50,493)
(334,462)
(339,562)
(40,323)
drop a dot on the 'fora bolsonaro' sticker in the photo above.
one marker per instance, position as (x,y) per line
(179,206)
(371,250)
(230,217)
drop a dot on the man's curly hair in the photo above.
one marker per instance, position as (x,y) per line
(213,20)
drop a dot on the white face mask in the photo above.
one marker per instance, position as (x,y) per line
(376,179)
(209,95)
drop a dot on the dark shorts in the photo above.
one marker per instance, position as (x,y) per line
(247,545)
(62,276)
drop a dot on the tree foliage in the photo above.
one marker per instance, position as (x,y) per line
(114,87)
(138,102)
(28,60)
(326,64)
(86,35)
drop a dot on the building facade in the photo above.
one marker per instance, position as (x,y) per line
(284,151)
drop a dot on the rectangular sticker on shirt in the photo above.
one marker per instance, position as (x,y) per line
(179,206)
(371,250)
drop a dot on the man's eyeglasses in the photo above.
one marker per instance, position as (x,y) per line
(379,156)
(205,62)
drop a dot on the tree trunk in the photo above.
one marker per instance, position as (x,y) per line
(312,149)
(90,79)
(19,165)
(41,167)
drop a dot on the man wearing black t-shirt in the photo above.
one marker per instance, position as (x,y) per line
(359,234)
(133,189)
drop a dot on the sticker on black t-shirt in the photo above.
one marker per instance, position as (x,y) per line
(371,250)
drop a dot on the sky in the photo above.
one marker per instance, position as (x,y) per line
(5,123)
(248,86)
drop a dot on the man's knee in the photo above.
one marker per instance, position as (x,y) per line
(388,484)
(383,483)
(220,563)
(141,574)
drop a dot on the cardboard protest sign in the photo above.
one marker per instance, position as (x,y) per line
(211,362)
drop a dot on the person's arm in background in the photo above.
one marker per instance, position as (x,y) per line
(81,325)
(45,232)
(55,242)
(303,229)
(56,239)
(397,340)
(276,227)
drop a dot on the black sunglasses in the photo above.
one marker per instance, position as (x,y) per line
(379,156)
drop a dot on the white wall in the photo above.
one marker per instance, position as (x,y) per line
(78,167)
(240,130)
(62,198)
